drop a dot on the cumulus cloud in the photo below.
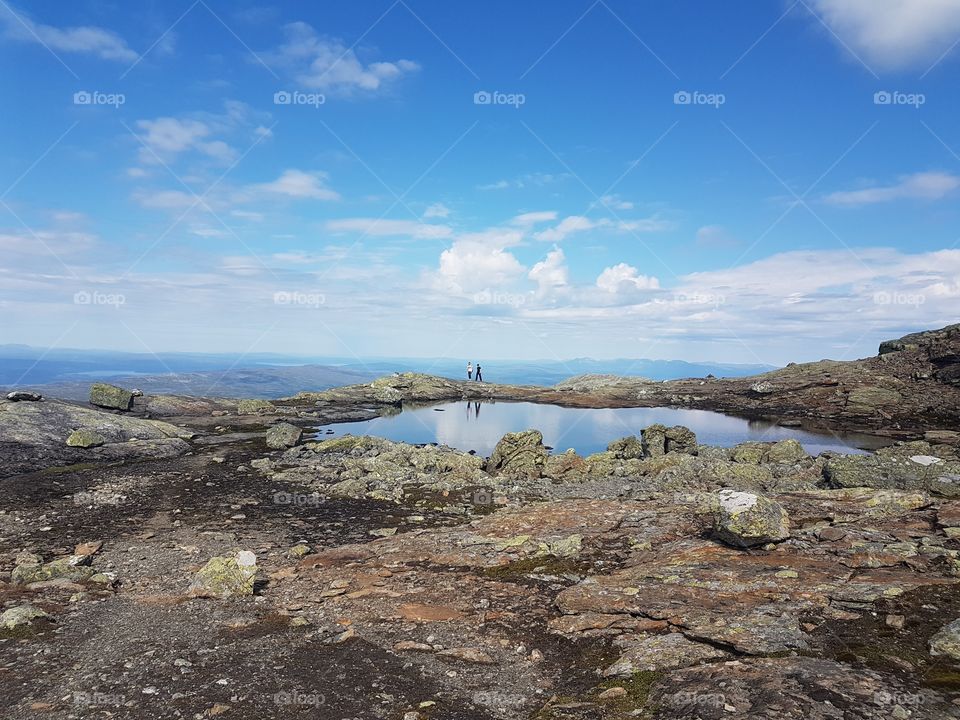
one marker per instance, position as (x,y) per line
(551,273)
(623,277)
(299,185)
(920,186)
(479,261)
(88,39)
(382,227)
(893,34)
(326,64)
(568,226)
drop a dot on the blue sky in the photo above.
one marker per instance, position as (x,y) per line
(742,181)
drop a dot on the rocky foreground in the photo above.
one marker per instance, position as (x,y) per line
(165,557)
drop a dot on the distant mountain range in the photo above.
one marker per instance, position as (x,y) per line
(67,373)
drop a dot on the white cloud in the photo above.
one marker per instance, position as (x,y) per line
(533,218)
(167,199)
(894,34)
(623,277)
(578,223)
(325,64)
(299,185)
(167,137)
(537,179)
(383,227)
(614,202)
(551,273)
(437,210)
(920,186)
(97,41)
(568,226)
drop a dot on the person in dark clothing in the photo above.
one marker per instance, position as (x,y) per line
(479,376)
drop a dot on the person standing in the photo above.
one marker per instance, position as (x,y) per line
(470,370)
(479,376)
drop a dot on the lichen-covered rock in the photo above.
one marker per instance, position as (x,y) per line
(659,440)
(24,396)
(21,615)
(283,436)
(751,453)
(226,577)
(866,399)
(519,454)
(896,469)
(787,451)
(110,396)
(85,438)
(255,407)
(567,467)
(745,519)
(627,448)
(946,643)
(74,568)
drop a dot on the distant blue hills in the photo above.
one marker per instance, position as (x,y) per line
(67,373)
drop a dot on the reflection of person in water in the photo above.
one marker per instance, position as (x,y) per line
(476,409)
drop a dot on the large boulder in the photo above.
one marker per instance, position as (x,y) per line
(75,568)
(659,440)
(947,642)
(904,467)
(745,519)
(283,436)
(519,454)
(255,407)
(24,396)
(627,448)
(226,577)
(110,396)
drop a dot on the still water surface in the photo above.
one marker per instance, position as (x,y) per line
(479,425)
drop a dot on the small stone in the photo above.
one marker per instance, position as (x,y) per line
(85,438)
(947,641)
(383,532)
(787,574)
(283,436)
(895,621)
(88,548)
(412,646)
(224,577)
(612,693)
(745,519)
(467,655)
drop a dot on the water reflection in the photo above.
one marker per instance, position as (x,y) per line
(462,426)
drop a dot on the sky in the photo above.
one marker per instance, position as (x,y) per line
(756,181)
